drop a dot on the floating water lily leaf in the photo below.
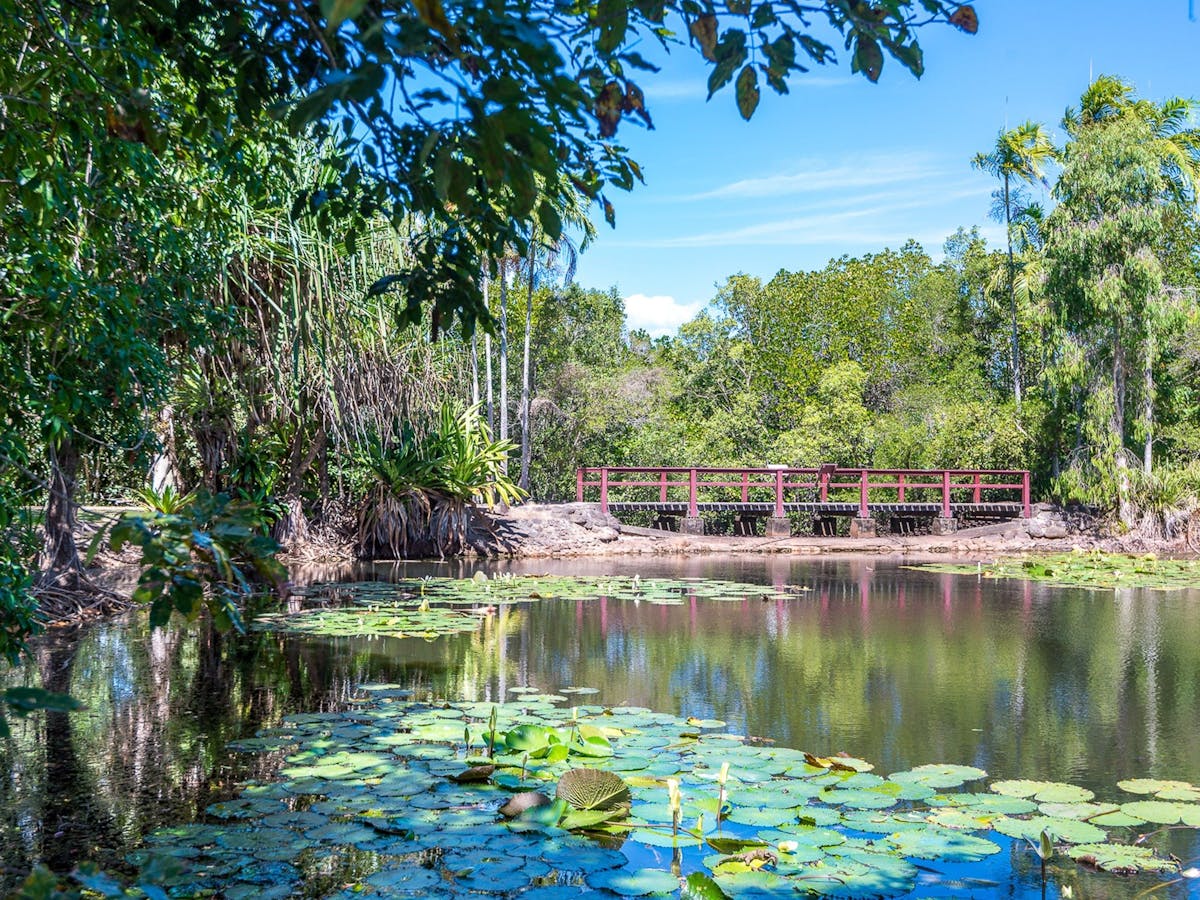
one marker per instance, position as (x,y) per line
(753,883)
(1043,791)
(1162,790)
(1164,812)
(1068,831)
(940,776)
(1086,569)
(1082,811)
(870,876)
(936,843)
(986,804)
(474,774)
(519,803)
(594,789)
(700,886)
(637,883)
(1121,859)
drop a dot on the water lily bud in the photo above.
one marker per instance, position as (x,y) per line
(724,774)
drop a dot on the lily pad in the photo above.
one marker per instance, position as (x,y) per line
(1043,791)
(1164,812)
(943,844)
(1121,859)
(939,776)
(637,883)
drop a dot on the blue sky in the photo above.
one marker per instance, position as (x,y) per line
(842,166)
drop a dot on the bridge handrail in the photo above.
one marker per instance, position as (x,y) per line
(822,480)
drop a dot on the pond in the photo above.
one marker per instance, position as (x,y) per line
(855,655)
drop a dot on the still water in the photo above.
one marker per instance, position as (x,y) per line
(896,666)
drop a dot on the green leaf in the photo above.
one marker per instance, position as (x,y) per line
(700,886)
(613,20)
(747,92)
(868,58)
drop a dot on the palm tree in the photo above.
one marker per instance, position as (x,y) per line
(1020,153)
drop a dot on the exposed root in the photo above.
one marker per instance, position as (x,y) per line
(70,601)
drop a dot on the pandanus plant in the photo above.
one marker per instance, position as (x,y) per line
(428,481)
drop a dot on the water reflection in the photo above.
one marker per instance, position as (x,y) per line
(896,666)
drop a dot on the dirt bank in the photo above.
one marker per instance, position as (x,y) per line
(581,529)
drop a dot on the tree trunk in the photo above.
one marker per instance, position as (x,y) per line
(60,554)
(487,352)
(1148,406)
(474,369)
(1125,506)
(1012,298)
(504,351)
(164,471)
(491,405)
(526,436)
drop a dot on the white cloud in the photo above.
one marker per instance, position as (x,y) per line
(855,225)
(812,176)
(660,314)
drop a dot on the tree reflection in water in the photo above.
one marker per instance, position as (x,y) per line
(896,666)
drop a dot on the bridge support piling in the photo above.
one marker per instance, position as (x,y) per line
(862,527)
(944,525)
(691,525)
(779,526)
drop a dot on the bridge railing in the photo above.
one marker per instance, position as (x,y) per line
(667,484)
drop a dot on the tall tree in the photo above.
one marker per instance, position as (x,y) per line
(1020,154)
(1175,143)
(1104,273)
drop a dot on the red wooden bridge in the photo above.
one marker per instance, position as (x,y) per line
(827,492)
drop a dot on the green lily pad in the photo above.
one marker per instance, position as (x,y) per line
(943,844)
(1121,859)
(1162,790)
(939,776)
(1043,791)
(637,883)
(1164,812)
(1068,831)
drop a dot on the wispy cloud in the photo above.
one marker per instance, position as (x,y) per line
(853,224)
(815,176)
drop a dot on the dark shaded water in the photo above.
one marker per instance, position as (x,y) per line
(895,666)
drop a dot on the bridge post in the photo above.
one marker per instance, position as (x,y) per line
(946,523)
(779,525)
(604,490)
(900,491)
(579,484)
(662,487)
(1026,511)
(863,512)
(692,523)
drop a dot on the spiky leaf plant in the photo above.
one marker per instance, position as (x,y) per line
(428,484)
